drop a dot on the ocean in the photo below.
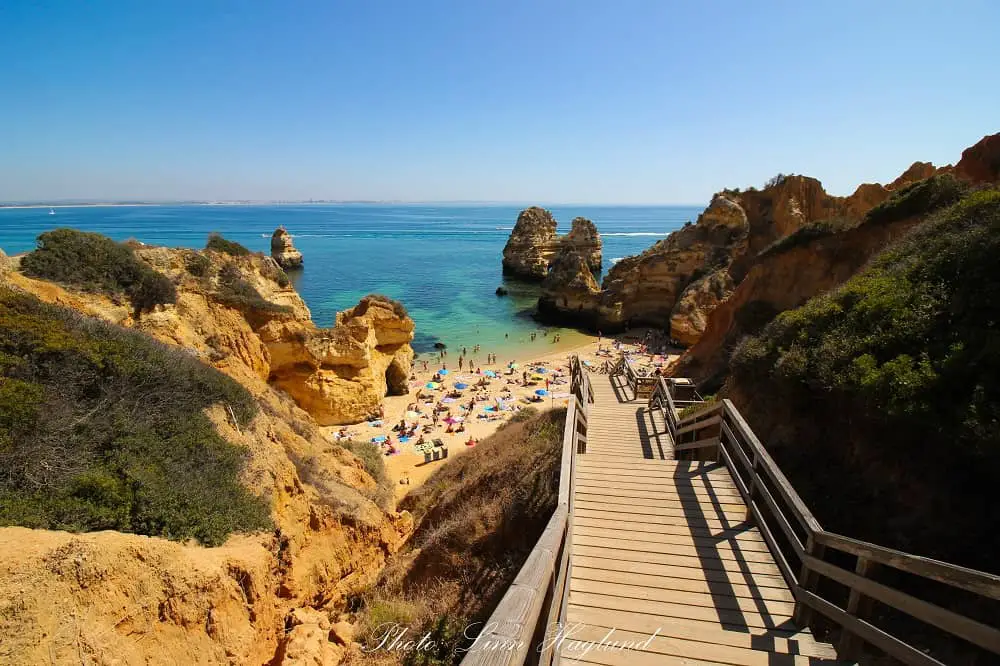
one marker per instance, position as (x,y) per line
(441,261)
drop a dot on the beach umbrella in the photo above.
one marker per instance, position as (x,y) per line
(541,392)
(442,372)
(432,385)
(514,366)
(461,386)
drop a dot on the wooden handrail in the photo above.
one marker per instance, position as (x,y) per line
(803,549)
(537,598)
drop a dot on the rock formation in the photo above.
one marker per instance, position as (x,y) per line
(340,375)
(569,288)
(789,275)
(534,245)
(282,250)
(259,598)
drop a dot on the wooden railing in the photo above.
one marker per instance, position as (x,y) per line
(536,599)
(641,386)
(854,584)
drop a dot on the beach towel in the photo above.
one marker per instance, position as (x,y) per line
(378,440)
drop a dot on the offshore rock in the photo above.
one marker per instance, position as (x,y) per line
(533,244)
(569,289)
(282,250)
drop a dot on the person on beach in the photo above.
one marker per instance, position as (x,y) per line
(460,363)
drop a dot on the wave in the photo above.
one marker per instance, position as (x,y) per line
(615,260)
(635,233)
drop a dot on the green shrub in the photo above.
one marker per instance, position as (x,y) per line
(198,264)
(234,290)
(219,244)
(902,365)
(373,461)
(104,428)
(920,198)
(96,263)
(808,233)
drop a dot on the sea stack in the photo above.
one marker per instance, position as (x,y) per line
(534,246)
(282,250)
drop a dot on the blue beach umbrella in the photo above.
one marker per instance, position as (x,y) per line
(442,372)
(432,385)
(541,392)
(461,386)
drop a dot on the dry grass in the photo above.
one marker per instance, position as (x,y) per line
(477,518)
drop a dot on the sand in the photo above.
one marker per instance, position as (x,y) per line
(408,470)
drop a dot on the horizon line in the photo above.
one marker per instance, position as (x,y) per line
(95,203)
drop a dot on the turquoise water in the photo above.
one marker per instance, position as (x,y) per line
(441,261)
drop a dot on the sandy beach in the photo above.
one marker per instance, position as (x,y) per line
(407,468)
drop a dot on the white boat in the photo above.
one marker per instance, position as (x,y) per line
(52,211)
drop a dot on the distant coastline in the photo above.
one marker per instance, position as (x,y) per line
(329,202)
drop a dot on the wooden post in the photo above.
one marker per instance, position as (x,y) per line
(808,581)
(752,490)
(849,646)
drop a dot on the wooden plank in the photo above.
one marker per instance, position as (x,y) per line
(607,531)
(679,527)
(775,641)
(692,426)
(582,640)
(732,618)
(698,444)
(692,509)
(721,551)
(719,521)
(778,516)
(971,580)
(705,498)
(699,563)
(868,632)
(642,470)
(716,600)
(738,589)
(966,628)
(754,580)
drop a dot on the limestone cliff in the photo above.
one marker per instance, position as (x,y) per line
(679,281)
(534,244)
(283,251)
(109,596)
(822,256)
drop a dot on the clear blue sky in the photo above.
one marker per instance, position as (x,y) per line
(539,100)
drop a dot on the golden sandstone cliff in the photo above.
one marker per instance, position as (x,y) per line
(533,245)
(283,251)
(719,268)
(109,597)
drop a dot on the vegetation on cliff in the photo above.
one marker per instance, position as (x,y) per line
(93,262)
(104,428)
(219,244)
(478,517)
(904,359)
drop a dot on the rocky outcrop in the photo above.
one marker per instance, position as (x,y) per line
(5,264)
(69,597)
(340,375)
(534,245)
(282,250)
(981,163)
(569,288)
(790,275)
(679,281)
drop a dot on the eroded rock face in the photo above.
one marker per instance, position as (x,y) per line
(282,250)
(569,288)
(981,163)
(534,245)
(146,600)
(340,375)
(690,316)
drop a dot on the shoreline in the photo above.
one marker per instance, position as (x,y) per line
(407,469)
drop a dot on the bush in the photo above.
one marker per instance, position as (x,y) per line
(920,198)
(104,428)
(905,357)
(808,233)
(219,244)
(198,264)
(93,262)
(775,181)
(234,290)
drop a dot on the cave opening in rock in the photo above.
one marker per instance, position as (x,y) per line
(396,379)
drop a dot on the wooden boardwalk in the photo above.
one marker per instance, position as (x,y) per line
(662,546)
